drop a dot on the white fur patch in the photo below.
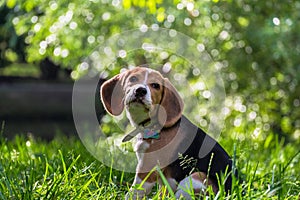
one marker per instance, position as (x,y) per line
(139,194)
(137,111)
(140,148)
(146,77)
(141,145)
(148,95)
(187,185)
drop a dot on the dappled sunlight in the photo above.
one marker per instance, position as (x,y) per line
(235,64)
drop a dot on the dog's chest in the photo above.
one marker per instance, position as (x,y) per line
(152,145)
(140,148)
(156,149)
(141,145)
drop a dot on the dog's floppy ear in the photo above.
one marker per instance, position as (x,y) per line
(171,103)
(112,95)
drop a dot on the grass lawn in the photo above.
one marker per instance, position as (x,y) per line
(63,169)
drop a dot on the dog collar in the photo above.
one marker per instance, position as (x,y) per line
(149,132)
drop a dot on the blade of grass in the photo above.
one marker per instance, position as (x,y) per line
(251,180)
(46,171)
(165,182)
(63,164)
(54,189)
(122,177)
(85,186)
(111,170)
(290,161)
(140,186)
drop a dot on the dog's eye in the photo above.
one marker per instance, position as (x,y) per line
(155,85)
(133,79)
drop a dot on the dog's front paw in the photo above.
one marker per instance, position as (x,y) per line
(128,196)
(134,195)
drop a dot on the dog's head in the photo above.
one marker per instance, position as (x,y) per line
(145,94)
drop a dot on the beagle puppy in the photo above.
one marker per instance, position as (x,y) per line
(166,138)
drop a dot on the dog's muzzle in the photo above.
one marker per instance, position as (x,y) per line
(139,94)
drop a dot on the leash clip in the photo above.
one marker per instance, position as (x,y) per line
(151,131)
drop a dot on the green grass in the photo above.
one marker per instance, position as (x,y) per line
(63,169)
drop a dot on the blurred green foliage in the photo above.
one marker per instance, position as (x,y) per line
(20,70)
(255,45)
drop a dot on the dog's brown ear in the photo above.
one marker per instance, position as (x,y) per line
(172,103)
(112,95)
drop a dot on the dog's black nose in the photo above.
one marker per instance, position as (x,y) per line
(140,92)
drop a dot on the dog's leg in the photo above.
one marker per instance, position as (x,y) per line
(196,184)
(172,183)
(140,188)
